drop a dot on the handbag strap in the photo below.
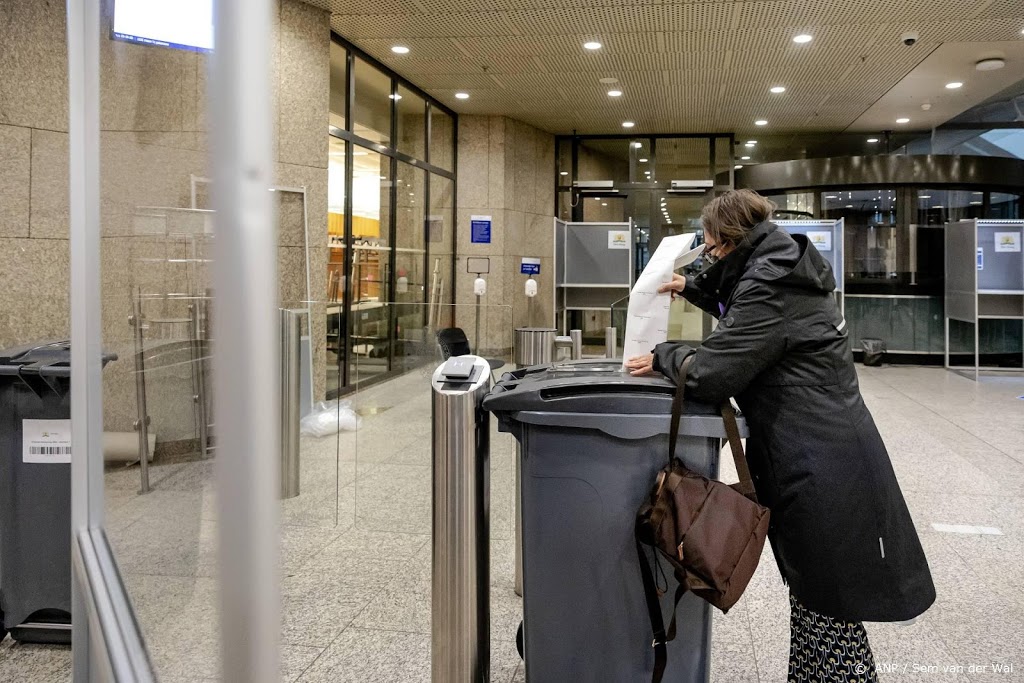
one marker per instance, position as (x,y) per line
(652,595)
(745,486)
(677,409)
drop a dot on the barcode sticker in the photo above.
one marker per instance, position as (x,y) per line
(46,441)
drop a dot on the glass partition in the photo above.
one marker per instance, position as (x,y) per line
(371,109)
(339,85)
(442,139)
(411,120)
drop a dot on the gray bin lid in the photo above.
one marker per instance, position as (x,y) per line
(592,394)
(41,364)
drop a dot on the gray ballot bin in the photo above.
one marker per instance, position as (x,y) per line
(35,491)
(592,442)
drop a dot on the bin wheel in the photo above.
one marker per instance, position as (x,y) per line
(519,640)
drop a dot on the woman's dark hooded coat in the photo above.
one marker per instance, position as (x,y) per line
(840,529)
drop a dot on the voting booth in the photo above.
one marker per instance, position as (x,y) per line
(984,278)
(593,267)
(827,238)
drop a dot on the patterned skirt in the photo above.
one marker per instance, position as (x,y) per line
(826,650)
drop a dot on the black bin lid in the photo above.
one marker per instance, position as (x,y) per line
(45,359)
(587,386)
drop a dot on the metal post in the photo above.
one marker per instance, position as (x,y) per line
(610,342)
(460,607)
(476,336)
(142,423)
(576,336)
(531,346)
(245,325)
(87,503)
(291,371)
(199,377)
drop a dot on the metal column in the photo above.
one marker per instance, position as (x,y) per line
(246,390)
(531,346)
(197,352)
(291,373)
(142,422)
(610,342)
(460,607)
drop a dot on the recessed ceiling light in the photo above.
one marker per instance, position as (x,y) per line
(642,161)
(400,49)
(831,196)
(760,122)
(628,124)
(977,193)
(849,206)
(614,93)
(564,173)
(637,145)
(395,97)
(738,166)
(749,144)
(938,206)
(744,158)
(872,139)
(778,89)
(462,95)
(954,85)
(802,38)
(924,196)
(604,203)
(903,119)
(592,45)
(975,203)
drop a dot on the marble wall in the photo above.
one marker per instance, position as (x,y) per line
(153,121)
(506,171)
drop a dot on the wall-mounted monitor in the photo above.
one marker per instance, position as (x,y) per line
(180,24)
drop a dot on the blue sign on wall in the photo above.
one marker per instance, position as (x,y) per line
(480,229)
(530,266)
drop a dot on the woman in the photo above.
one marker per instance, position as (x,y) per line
(840,530)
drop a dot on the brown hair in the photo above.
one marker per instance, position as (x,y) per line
(730,217)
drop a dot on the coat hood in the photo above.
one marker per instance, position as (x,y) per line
(769,254)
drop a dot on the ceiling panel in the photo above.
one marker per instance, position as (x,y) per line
(685,66)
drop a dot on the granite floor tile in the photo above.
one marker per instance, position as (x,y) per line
(731,663)
(36,663)
(505,661)
(295,659)
(366,656)
(904,652)
(316,608)
(506,613)
(398,607)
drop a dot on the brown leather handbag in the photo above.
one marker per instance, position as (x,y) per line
(710,533)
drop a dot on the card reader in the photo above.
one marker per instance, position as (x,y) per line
(459,368)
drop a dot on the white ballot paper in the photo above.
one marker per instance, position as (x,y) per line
(647,315)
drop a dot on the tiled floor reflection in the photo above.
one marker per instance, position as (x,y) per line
(356,553)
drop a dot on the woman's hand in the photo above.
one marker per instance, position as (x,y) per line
(676,286)
(641,365)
